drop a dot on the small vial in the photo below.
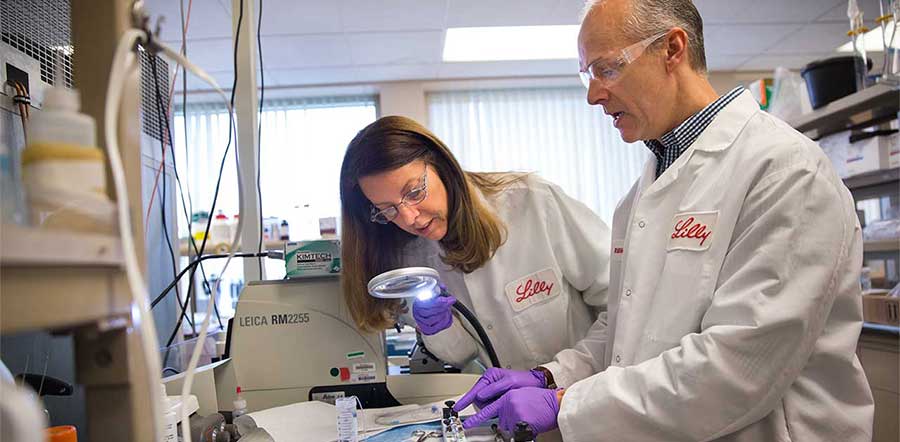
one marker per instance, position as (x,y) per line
(239,404)
(346,419)
(865,279)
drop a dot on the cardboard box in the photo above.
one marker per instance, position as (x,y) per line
(873,153)
(881,309)
(312,258)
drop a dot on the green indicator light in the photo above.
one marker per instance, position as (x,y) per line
(335,372)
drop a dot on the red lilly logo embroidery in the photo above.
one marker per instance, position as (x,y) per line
(692,231)
(533,287)
(689,228)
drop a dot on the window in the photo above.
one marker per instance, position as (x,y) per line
(550,131)
(302,146)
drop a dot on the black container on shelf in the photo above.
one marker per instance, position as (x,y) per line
(830,79)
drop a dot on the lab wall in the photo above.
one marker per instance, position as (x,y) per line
(408,98)
(160,268)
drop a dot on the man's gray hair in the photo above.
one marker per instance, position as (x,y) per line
(647,18)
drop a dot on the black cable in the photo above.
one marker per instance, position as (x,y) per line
(262,98)
(193,264)
(164,123)
(227,145)
(168,132)
(482,335)
(162,200)
(218,185)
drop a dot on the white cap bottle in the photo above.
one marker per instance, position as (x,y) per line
(61,122)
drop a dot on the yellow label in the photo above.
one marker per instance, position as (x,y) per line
(60,151)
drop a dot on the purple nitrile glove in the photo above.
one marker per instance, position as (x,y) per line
(433,315)
(539,407)
(497,381)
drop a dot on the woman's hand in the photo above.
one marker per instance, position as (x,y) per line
(434,315)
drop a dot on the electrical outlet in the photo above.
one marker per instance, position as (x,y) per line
(14,62)
(15,74)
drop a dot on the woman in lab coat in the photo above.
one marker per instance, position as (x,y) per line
(531,262)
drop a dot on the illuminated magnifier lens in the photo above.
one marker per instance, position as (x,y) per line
(419,282)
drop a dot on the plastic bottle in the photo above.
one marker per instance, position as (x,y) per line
(60,126)
(61,122)
(284,231)
(232,228)
(63,170)
(346,419)
(328,227)
(219,229)
(170,429)
(198,224)
(240,406)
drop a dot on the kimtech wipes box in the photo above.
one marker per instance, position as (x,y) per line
(312,258)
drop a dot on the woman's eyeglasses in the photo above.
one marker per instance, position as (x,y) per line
(414,197)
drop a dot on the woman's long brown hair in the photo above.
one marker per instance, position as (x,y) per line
(474,232)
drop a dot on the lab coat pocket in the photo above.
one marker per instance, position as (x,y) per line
(683,295)
(541,312)
(544,328)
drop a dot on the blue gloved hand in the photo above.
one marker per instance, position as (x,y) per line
(497,381)
(539,407)
(433,315)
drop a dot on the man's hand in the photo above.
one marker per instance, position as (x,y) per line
(539,407)
(497,381)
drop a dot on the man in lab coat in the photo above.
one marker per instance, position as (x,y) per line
(734,298)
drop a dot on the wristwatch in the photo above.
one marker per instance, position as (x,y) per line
(548,376)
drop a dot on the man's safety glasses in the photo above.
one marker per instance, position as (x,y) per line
(609,71)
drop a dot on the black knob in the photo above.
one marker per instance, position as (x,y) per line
(523,432)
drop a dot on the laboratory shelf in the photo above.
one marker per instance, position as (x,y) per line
(185,249)
(32,246)
(883,328)
(855,110)
(56,280)
(874,178)
(890,245)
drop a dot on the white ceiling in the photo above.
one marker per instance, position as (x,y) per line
(324,42)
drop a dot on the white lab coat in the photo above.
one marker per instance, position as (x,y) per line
(552,240)
(745,334)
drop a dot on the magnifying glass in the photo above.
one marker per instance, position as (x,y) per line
(423,283)
(418,282)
